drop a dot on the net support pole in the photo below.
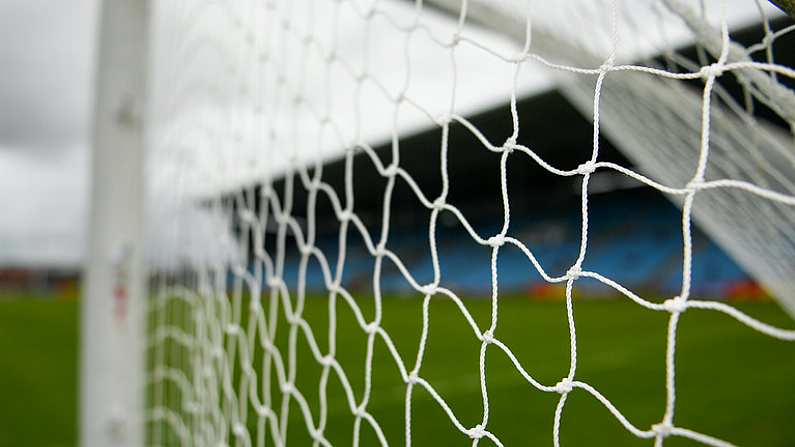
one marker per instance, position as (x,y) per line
(113,302)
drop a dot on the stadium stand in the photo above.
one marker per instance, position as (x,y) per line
(643,253)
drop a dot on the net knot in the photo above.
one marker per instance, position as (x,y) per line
(232,329)
(429,289)
(380,250)
(693,186)
(455,39)
(267,191)
(327,360)
(260,253)
(316,434)
(262,410)
(412,378)
(712,70)
(345,216)
(287,388)
(662,429)
(360,411)
(564,386)
(675,305)
(444,120)
(438,204)
(238,270)
(768,39)
(488,337)
(247,216)
(586,168)
(390,171)
(239,430)
(574,272)
(192,407)
(305,249)
(273,282)
(496,241)
(509,144)
(371,328)
(476,432)
(281,218)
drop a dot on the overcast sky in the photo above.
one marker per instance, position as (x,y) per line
(46,50)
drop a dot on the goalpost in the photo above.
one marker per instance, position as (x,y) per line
(112,379)
(246,101)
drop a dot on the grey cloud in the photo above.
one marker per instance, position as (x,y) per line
(46,51)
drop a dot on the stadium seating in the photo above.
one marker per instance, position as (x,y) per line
(636,242)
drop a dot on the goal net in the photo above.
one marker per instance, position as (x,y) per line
(256,255)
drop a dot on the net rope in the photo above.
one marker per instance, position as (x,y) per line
(205,387)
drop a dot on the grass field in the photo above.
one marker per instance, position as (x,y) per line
(732,382)
(38,372)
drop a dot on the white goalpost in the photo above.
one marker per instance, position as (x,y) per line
(204,263)
(113,334)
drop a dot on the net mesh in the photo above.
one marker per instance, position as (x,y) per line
(252,98)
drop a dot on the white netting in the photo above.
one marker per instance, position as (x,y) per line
(250,94)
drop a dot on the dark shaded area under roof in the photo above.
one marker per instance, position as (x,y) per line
(549,125)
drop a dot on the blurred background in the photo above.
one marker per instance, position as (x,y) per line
(46,92)
(47,54)
(46,51)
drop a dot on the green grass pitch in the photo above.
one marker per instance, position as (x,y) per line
(732,382)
